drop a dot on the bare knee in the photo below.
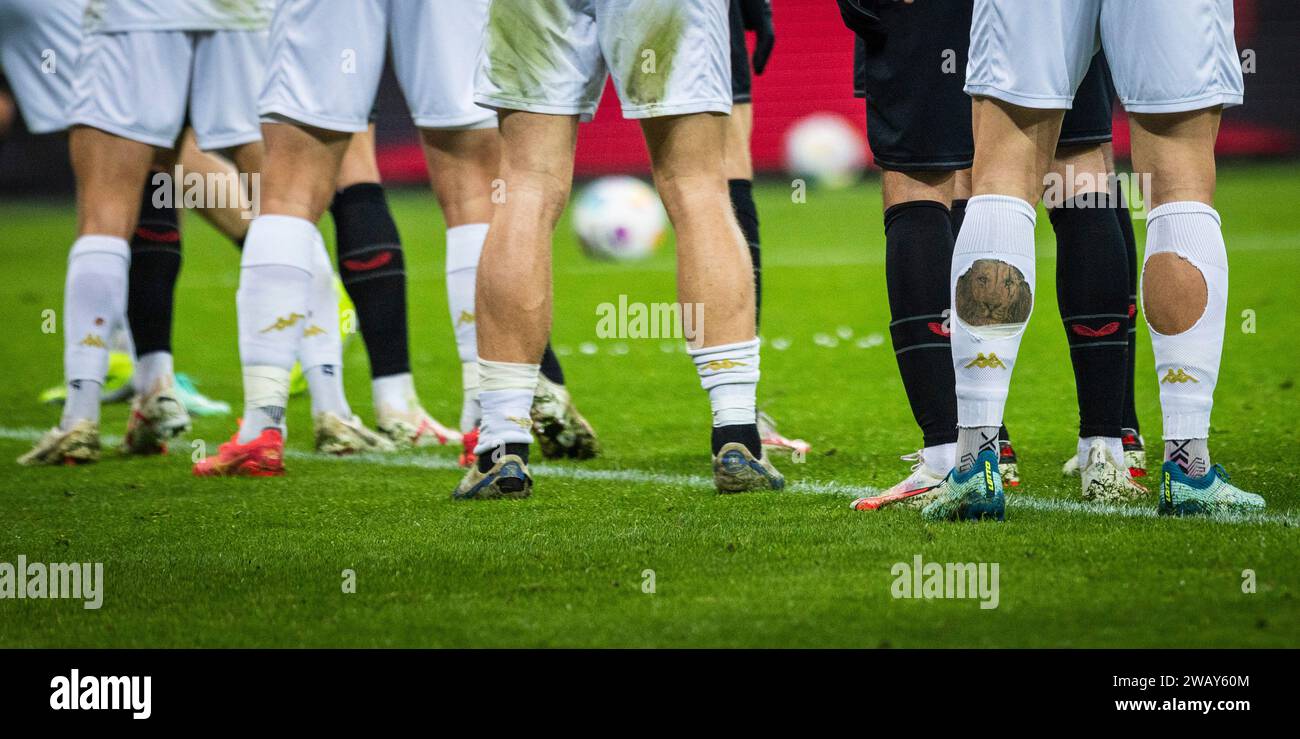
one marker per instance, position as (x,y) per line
(463,170)
(301,170)
(909,187)
(1174,293)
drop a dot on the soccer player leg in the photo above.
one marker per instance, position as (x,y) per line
(1175,110)
(918,253)
(463,165)
(157,413)
(372,266)
(1093,299)
(110,173)
(337,429)
(540,94)
(513,296)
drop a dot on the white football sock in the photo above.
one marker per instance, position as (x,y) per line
(471,412)
(506,392)
(729,372)
(82,403)
(1187,364)
(94,297)
(394,394)
(274,286)
(321,350)
(1114,446)
(997,229)
(266,393)
(464,247)
(151,371)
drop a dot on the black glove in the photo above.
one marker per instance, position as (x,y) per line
(861,17)
(757,17)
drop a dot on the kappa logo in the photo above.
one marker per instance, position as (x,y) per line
(721,364)
(312,330)
(465,318)
(986,362)
(523,423)
(284,322)
(93,340)
(1177,376)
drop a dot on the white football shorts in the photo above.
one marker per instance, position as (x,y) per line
(147,85)
(326,58)
(1166,56)
(667,57)
(38,51)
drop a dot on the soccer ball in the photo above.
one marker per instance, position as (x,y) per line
(826,149)
(619,218)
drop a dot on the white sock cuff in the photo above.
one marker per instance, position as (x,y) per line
(285,241)
(733,404)
(95,244)
(1189,229)
(464,246)
(495,376)
(266,386)
(726,364)
(999,228)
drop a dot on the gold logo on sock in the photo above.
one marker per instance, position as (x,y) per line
(989,362)
(523,423)
(93,340)
(721,364)
(465,318)
(312,330)
(1178,376)
(283,323)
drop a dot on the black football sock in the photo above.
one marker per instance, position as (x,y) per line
(486,460)
(743,433)
(957,214)
(742,202)
(1130,249)
(1004,434)
(1093,298)
(374,273)
(918,255)
(155,266)
(551,368)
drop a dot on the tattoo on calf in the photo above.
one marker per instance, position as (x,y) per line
(993,292)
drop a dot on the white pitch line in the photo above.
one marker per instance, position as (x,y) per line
(646,477)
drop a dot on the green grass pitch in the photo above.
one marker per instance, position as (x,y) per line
(259,563)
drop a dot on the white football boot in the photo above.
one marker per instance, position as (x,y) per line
(1135,456)
(156,418)
(560,429)
(77,445)
(339,436)
(415,429)
(1106,480)
(914,491)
